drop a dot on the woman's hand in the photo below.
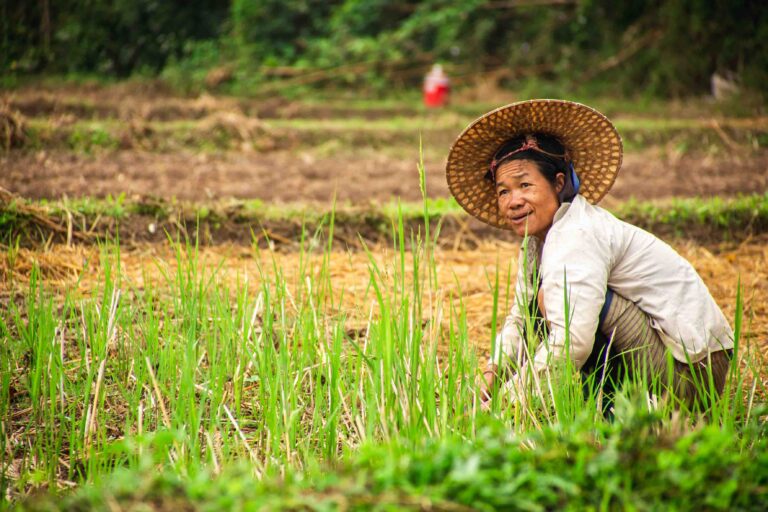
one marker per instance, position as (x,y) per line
(487,383)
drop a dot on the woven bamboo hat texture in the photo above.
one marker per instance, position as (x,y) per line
(590,139)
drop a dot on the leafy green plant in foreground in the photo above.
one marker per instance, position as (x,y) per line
(638,463)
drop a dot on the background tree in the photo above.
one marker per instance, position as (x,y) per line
(657,47)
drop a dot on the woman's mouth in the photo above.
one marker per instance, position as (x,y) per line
(519,218)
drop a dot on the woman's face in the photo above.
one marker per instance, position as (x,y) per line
(527,201)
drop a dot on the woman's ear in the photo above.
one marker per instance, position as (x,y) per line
(559,182)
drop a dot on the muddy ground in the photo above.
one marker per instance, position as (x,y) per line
(290,151)
(300,176)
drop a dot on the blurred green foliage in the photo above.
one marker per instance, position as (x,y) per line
(113,37)
(654,47)
(633,464)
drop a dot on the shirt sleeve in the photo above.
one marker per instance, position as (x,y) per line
(575,268)
(510,342)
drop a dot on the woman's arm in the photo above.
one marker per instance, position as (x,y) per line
(575,270)
(574,279)
(509,349)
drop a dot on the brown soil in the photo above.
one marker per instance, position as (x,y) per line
(155,221)
(358,165)
(356,177)
(159,105)
(277,176)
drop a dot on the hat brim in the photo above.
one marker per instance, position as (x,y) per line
(590,138)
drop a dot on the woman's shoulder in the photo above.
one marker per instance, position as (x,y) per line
(590,229)
(581,216)
(585,229)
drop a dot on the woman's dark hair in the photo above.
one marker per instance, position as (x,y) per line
(549,166)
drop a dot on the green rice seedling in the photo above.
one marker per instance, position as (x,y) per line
(194,374)
(11,255)
(37,348)
(267,375)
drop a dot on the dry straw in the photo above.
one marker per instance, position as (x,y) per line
(11,127)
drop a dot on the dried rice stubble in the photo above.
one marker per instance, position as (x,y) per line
(248,132)
(12,127)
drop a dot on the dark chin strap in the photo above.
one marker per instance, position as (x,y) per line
(571,186)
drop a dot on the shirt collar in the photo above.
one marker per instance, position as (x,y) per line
(563,209)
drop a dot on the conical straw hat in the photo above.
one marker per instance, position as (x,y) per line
(589,137)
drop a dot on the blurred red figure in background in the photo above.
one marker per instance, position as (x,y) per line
(436,87)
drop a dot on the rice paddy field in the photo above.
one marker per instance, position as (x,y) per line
(220,303)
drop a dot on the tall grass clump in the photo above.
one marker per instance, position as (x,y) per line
(197,373)
(201,373)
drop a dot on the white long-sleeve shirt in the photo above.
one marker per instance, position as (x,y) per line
(588,250)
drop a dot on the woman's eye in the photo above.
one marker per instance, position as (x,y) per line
(525,185)
(502,192)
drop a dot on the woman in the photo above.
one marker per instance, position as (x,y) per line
(608,290)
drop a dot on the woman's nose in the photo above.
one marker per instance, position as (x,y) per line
(514,200)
